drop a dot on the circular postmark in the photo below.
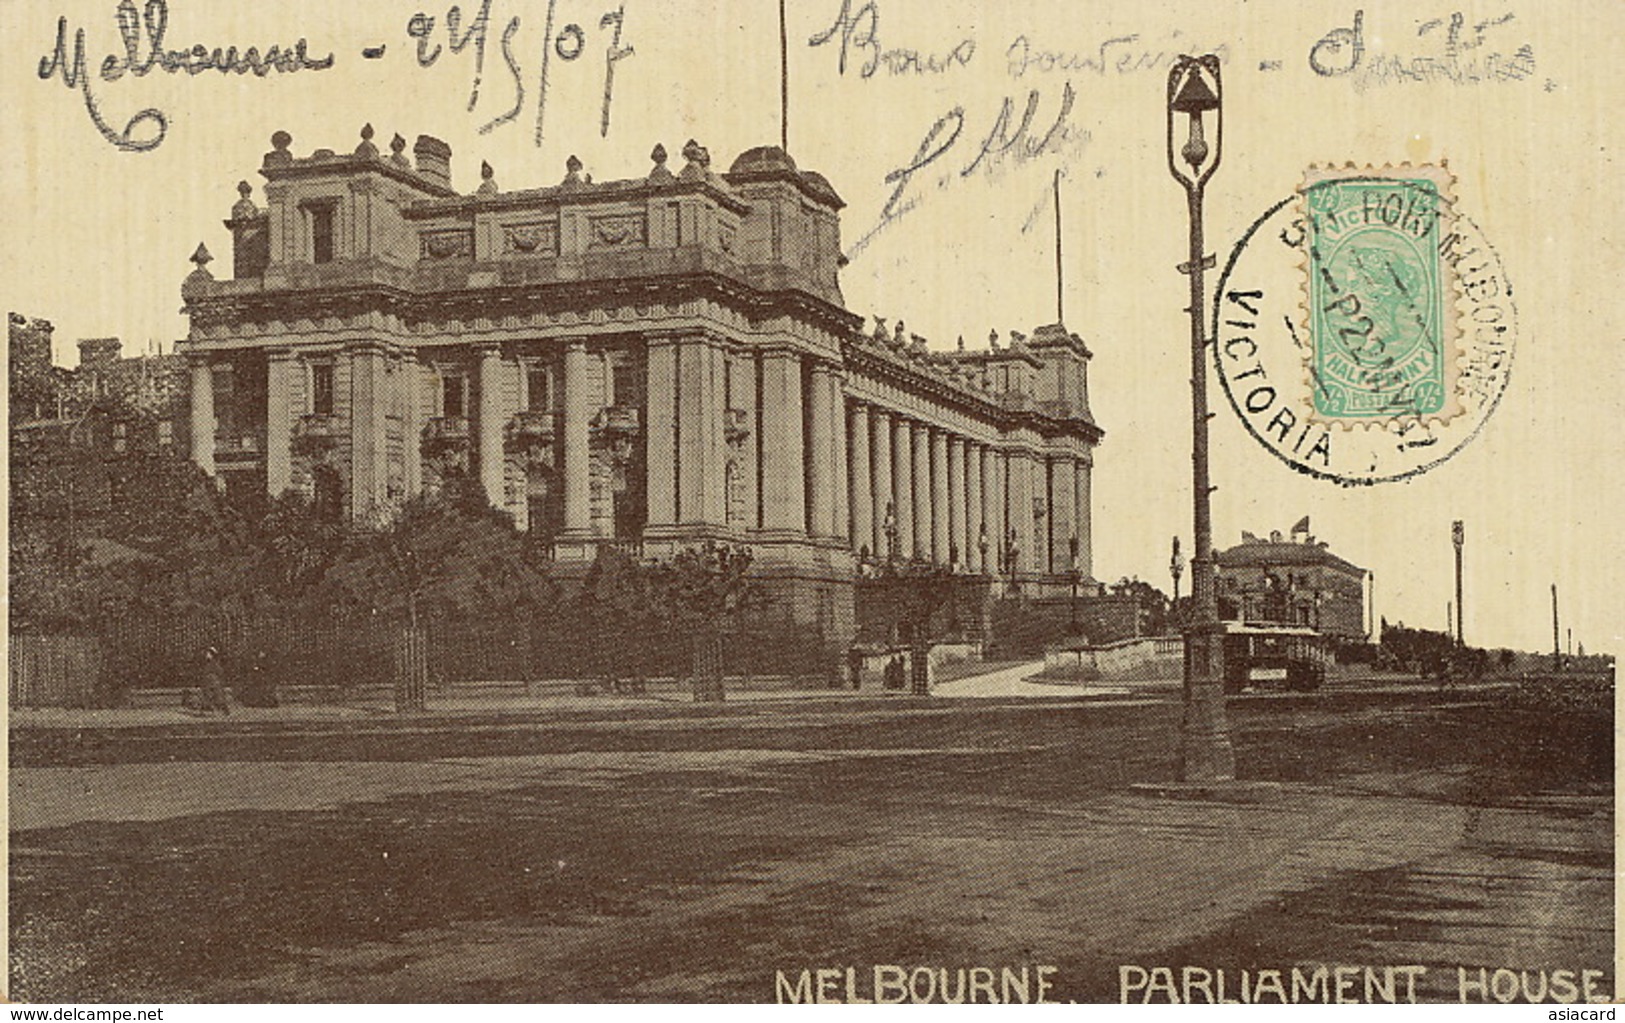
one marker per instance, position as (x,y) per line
(1363,327)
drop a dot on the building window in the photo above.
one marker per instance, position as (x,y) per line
(225,400)
(166,433)
(121,437)
(322,218)
(454,396)
(321,388)
(538,392)
(624,381)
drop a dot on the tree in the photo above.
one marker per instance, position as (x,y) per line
(1152,606)
(922,589)
(1418,651)
(705,591)
(440,557)
(614,617)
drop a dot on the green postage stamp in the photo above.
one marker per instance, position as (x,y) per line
(1379,304)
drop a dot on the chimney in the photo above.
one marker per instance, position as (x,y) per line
(433,160)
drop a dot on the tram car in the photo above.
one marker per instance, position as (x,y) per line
(1261,657)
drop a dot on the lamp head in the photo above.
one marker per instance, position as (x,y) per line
(1194,89)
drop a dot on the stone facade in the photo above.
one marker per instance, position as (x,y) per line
(1295,581)
(647,362)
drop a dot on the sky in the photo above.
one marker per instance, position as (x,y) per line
(1515,99)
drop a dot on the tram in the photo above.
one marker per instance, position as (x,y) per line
(1260,657)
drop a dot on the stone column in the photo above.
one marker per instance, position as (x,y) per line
(821,441)
(279,370)
(783,482)
(922,490)
(411,425)
(1085,518)
(993,508)
(369,473)
(202,414)
(660,435)
(701,461)
(880,433)
(940,534)
(858,480)
(959,557)
(490,426)
(740,396)
(1021,512)
(577,441)
(715,435)
(973,509)
(840,469)
(902,474)
(1063,488)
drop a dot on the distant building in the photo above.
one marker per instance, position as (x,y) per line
(644,362)
(77,435)
(36,387)
(1294,581)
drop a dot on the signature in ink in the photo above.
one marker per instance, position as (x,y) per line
(146,130)
(860,31)
(568,44)
(1463,57)
(1001,144)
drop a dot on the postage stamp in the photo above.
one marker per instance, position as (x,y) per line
(1364,326)
(1380,320)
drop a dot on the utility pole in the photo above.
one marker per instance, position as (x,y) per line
(1457,534)
(1557,649)
(1371,606)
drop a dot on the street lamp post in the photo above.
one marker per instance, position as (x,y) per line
(889,527)
(1176,568)
(1194,89)
(1073,544)
(1011,553)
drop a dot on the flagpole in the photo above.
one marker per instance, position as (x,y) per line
(784,82)
(1060,316)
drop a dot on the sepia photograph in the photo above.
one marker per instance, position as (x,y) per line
(832,501)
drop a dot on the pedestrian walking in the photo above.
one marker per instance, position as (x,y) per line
(214,682)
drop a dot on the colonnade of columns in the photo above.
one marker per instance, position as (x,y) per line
(818,464)
(919,491)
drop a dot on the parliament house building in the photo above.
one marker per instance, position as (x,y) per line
(649,362)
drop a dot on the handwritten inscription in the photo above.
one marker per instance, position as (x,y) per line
(1120,55)
(143,32)
(859,34)
(1007,140)
(1463,55)
(146,130)
(566,43)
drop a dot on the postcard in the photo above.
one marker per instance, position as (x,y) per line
(861,501)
